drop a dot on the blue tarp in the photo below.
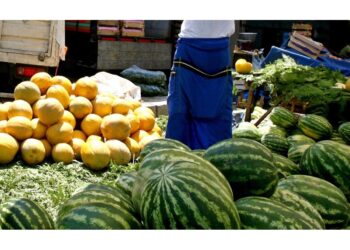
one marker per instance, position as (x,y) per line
(339,65)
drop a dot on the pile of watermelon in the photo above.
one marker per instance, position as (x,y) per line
(293,175)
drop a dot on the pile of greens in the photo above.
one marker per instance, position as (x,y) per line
(51,184)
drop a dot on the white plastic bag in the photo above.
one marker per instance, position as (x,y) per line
(116,85)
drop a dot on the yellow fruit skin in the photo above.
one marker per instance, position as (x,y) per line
(20,108)
(95,154)
(102,105)
(243,67)
(80,107)
(27,91)
(147,121)
(50,111)
(76,144)
(91,124)
(134,122)
(115,126)
(47,146)
(33,151)
(121,106)
(79,134)
(62,152)
(19,127)
(86,87)
(347,85)
(133,146)
(139,135)
(3,125)
(8,148)
(61,132)
(120,153)
(60,93)
(68,117)
(147,139)
(39,129)
(63,81)
(43,80)
(3,111)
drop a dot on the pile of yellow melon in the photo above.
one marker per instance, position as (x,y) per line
(51,117)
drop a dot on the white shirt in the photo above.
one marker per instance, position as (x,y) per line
(207,28)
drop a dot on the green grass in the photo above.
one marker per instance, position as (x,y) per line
(50,184)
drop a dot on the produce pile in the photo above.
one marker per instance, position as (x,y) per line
(292,173)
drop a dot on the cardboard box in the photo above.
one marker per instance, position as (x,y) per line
(133,24)
(108,31)
(114,23)
(133,32)
(305,45)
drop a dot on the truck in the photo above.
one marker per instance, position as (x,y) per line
(28,47)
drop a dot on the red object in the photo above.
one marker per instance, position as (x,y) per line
(159,41)
(108,38)
(28,71)
(126,39)
(144,40)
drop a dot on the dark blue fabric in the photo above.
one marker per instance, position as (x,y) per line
(200,108)
(339,65)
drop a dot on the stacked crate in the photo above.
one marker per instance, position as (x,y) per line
(133,28)
(109,28)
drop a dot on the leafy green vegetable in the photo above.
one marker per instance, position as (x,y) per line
(51,184)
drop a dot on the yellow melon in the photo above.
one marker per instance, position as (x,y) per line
(86,87)
(39,129)
(20,108)
(120,153)
(49,111)
(59,132)
(121,106)
(27,91)
(62,152)
(133,146)
(156,129)
(95,154)
(35,108)
(47,146)
(43,80)
(94,137)
(19,127)
(133,103)
(3,111)
(68,117)
(139,135)
(147,121)
(63,81)
(142,110)
(147,139)
(80,107)
(8,148)
(102,105)
(60,93)
(79,134)
(115,126)
(134,122)
(91,124)
(76,144)
(71,97)
(33,151)
(3,124)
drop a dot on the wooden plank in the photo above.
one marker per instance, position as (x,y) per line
(24,45)
(27,29)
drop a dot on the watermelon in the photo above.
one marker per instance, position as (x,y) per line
(299,205)
(296,151)
(98,208)
(247,165)
(271,129)
(162,143)
(283,117)
(22,213)
(246,130)
(264,213)
(344,131)
(199,152)
(295,139)
(329,160)
(285,166)
(329,200)
(337,138)
(315,126)
(126,181)
(296,131)
(276,143)
(175,189)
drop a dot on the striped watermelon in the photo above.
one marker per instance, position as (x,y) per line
(296,139)
(276,143)
(329,160)
(126,181)
(179,190)
(162,143)
(23,213)
(315,126)
(329,200)
(271,129)
(344,131)
(247,165)
(264,213)
(296,151)
(246,130)
(199,152)
(299,205)
(285,166)
(337,138)
(283,117)
(296,131)
(98,208)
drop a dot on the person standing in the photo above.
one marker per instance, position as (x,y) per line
(200,85)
